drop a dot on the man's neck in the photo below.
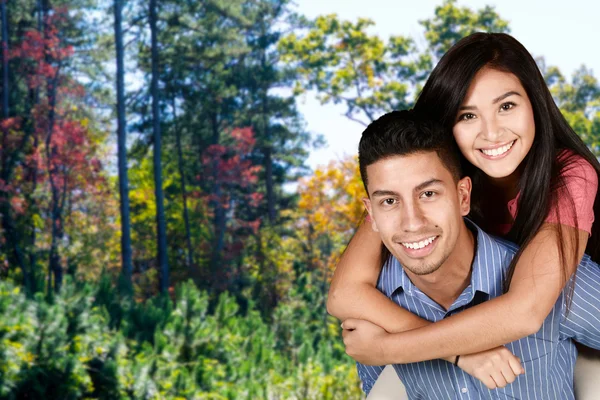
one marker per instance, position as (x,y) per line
(446,284)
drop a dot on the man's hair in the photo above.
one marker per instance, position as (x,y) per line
(401,133)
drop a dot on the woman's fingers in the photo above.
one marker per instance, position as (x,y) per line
(515,365)
(499,379)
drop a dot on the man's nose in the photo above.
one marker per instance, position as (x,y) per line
(412,218)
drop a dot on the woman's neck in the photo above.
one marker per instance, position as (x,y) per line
(506,188)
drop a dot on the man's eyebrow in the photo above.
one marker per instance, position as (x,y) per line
(427,183)
(421,186)
(496,100)
(381,193)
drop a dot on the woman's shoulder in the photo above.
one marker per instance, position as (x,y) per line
(575,192)
(576,167)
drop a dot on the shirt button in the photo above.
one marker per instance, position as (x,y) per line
(464,390)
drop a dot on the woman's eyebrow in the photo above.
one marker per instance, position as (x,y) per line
(505,95)
(463,108)
(496,100)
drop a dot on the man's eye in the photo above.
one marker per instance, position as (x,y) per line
(428,194)
(389,202)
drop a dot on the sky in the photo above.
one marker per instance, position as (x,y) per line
(566,33)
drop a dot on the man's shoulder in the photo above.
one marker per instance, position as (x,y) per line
(496,243)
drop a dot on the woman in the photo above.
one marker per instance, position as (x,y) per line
(535,182)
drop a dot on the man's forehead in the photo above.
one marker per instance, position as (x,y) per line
(408,170)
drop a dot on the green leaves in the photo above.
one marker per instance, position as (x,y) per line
(579,101)
(186,348)
(452,23)
(345,64)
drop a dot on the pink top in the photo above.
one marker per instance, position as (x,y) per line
(581,181)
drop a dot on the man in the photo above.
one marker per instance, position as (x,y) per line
(442,264)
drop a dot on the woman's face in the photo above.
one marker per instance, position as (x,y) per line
(495,127)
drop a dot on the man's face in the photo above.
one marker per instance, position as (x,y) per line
(417,207)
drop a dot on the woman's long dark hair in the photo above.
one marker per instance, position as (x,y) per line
(541,183)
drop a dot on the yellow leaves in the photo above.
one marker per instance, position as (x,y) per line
(332,198)
(326,22)
(16,350)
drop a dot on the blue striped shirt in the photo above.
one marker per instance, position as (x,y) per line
(548,356)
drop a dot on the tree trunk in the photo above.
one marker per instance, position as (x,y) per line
(186,218)
(127,266)
(160,211)
(54,266)
(10,160)
(268,159)
(219,219)
(5,87)
(268,149)
(12,242)
(32,286)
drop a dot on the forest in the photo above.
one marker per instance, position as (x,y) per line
(161,233)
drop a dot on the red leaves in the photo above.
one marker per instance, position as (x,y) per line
(10,124)
(230,168)
(42,54)
(255,199)
(18,204)
(230,165)
(59,149)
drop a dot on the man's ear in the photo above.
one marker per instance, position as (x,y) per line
(464,188)
(367,203)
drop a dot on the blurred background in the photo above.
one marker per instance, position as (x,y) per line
(178,179)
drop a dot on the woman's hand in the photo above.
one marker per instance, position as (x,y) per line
(495,368)
(364,342)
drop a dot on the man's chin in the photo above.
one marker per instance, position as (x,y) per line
(422,269)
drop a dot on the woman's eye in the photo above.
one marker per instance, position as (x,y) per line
(466,116)
(507,106)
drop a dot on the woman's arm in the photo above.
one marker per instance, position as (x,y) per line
(536,284)
(535,288)
(353,292)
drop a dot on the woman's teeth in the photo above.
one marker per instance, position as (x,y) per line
(499,151)
(418,245)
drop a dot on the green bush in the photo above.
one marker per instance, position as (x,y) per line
(88,342)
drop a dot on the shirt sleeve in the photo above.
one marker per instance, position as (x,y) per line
(575,206)
(581,321)
(368,375)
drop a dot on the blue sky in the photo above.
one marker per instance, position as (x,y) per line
(566,33)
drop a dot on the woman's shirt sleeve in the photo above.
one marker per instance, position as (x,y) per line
(575,205)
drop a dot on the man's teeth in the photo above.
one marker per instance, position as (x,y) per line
(499,151)
(418,245)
